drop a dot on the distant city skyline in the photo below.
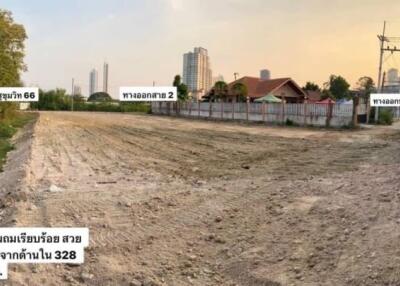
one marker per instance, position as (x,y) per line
(144,41)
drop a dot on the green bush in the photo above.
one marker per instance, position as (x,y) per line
(5,146)
(6,130)
(385,117)
(289,122)
(8,127)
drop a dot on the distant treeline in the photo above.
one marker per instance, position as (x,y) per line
(58,99)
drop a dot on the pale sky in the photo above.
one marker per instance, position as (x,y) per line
(145,40)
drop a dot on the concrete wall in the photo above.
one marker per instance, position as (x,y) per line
(275,113)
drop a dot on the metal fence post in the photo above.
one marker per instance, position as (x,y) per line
(329,114)
(210,109)
(222,110)
(263,111)
(284,110)
(233,110)
(247,110)
(355,111)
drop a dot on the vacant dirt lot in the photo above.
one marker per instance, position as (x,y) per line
(177,202)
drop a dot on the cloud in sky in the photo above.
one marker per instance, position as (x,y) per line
(144,40)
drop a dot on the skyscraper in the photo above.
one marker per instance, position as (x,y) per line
(93,82)
(265,74)
(197,74)
(217,79)
(105,77)
(77,90)
(393,77)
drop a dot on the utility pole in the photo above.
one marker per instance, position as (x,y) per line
(382,40)
(235,75)
(390,40)
(72,95)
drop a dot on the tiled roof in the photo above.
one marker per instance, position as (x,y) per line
(258,88)
(313,95)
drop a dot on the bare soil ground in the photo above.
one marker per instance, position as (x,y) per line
(181,202)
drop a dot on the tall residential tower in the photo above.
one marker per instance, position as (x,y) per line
(105,77)
(93,81)
(197,73)
(393,76)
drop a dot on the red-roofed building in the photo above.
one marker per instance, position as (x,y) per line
(313,96)
(283,88)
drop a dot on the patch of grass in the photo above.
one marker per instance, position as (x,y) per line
(5,147)
(6,130)
(8,127)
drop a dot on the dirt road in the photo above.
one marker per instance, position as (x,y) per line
(179,202)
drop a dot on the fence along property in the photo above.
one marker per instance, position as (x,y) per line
(335,115)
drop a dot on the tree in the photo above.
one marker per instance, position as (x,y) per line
(366,86)
(79,98)
(100,96)
(240,91)
(338,87)
(220,90)
(311,86)
(12,37)
(56,99)
(326,94)
(181,88)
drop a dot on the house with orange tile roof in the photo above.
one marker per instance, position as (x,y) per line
(284,88)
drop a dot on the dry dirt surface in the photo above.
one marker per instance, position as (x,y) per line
(172,201)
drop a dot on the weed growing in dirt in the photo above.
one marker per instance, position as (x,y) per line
(8,127)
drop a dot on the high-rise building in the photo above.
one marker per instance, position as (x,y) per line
(393,77)
(216,79)
(93,82)
(265,74)
(77,90)
(105,77)
(197,73)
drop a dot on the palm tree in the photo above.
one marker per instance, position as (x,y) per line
(220,90)
(240,91)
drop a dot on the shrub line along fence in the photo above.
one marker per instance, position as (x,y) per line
(335,115)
